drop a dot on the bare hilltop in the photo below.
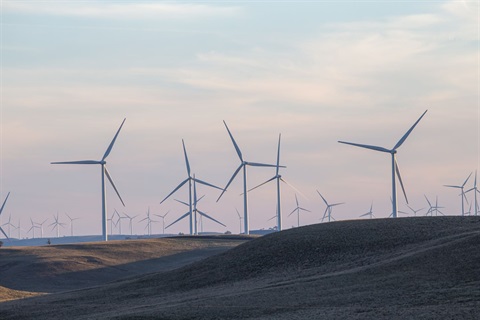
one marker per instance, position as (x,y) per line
(408,268)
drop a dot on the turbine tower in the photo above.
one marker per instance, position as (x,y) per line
(395,170)
(189,180)
(243,165)
(240,220)
(329,208)
(103,165)
(1,209)
(464,197)
(298,209)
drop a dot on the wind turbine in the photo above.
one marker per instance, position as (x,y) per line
(195,210)
(18,228)
(163,219)
(130,222)
(433,208)
(112,223)
(475,190)
(369,213)
(298,209)
(40,226)
(1,209)
(71,223)
(243,165)
(189,180)
(103,165)
(464,197)
(240,219)
(149,222)
(413,210)
(329,208)
(395,170)
(32,228)
(56,224)
(9,224)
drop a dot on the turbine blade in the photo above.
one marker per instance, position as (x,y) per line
(4,201)
(186,158)
(325,214)
(449,186)
(365,214)
(208,217)
(366,146)
(113,141)
(182,202)
(207,184)
(323,198)
(405,136)
(113,185)
(233,141)
(304,209)
(292,212)
(78,162)
(4,233)
(257,164)
(261,184)
(230,181)
(272,218)
(185,215)
(400,179)
(178,187)
(428,202)
(463,185)
(337,204)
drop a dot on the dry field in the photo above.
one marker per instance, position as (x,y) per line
(408,268)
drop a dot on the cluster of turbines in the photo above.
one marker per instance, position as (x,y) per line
(196,216)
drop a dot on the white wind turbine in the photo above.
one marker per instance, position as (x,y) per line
(149,222)
(130,218)
(475,190)
(163,219)
(112,223)
(195,210)
(434,208)
(57,224)
(395,170)
(464,197)
(413,210)
(298,209)
(9,224)
(369,213)
(243,165)
(71,223)
(104,170)
(240,219)
(1,209)
(18,228)
(278,178)
(329,208)
(32,228)
(189,180)
(40,226)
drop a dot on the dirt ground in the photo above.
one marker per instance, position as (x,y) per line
(409,268)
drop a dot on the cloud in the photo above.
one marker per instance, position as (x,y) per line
(120,10)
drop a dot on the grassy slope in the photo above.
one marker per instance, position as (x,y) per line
(390,268)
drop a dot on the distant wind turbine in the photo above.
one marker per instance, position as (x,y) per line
(329,208)
(298,209)
(1,209)
(369,213)
(8,224)
(413,210)
(395,170)
(149,222)
(40,226)
(240,219)
(57,224)
(32,228)
(189,180)
(475,191)
(130,218)
(462,194)
(71,223)
(163,219)
(243,165)
(434,208)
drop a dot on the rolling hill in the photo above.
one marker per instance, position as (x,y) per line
(409,268)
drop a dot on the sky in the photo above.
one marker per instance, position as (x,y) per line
(314,71)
